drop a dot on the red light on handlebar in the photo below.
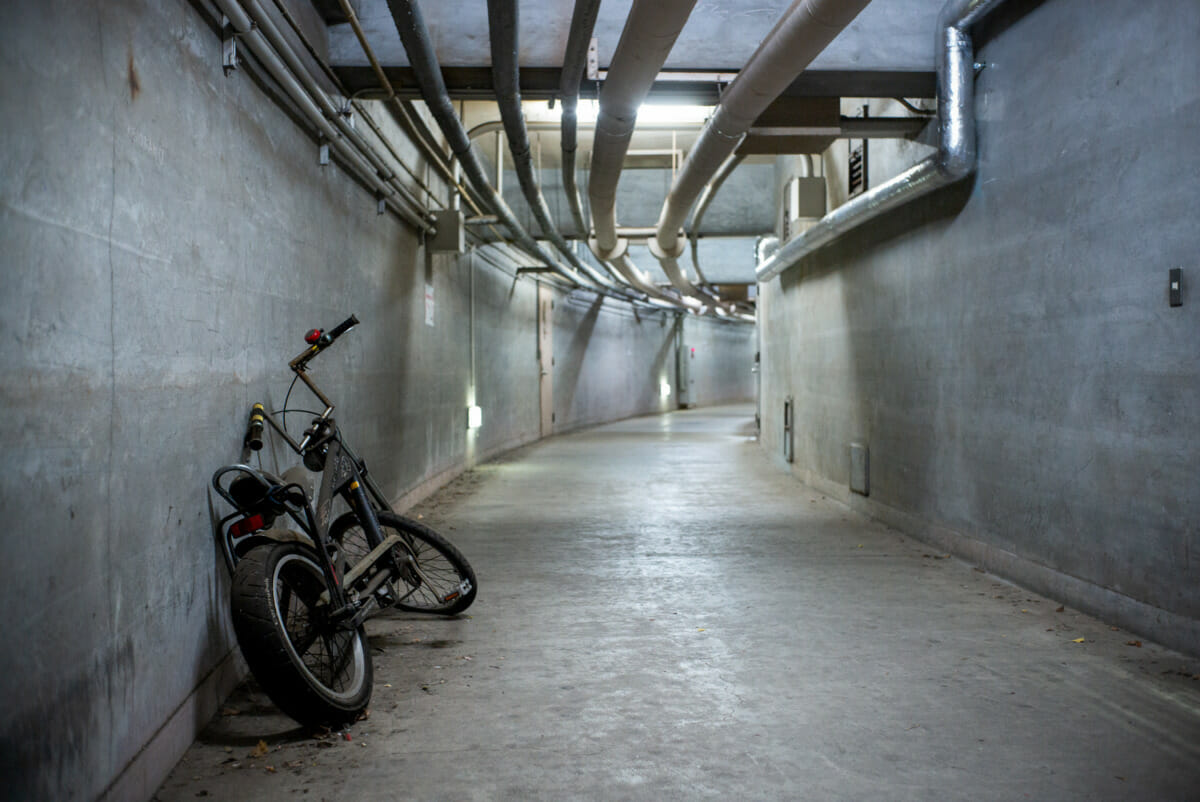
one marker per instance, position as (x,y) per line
(313,335)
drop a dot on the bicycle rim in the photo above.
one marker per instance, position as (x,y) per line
(332,659)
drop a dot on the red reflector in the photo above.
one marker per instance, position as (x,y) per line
(313,335)
(247,525)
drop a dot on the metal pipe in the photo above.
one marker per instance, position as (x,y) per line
(583,21)
(650,31)
(281,46)
(805,29)
(955,158)
(401,109)
(506,80)
(706,197)
(414,35)
(248,32)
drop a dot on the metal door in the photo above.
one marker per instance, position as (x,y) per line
(546,358)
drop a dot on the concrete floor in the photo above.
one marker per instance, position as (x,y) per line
(663,614)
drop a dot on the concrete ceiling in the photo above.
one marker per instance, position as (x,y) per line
(888,50)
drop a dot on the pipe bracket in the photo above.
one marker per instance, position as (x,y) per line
(616,252)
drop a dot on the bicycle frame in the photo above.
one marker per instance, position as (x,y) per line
(343,473)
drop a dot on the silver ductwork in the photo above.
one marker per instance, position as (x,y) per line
(806,28)
(954,160)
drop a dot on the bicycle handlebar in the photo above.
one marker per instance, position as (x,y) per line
(324,341)
(343,327)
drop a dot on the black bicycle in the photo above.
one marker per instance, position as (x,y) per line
(302,594)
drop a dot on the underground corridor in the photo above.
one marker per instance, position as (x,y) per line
(639,636)
(600,399)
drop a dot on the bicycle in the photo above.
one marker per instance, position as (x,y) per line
(300,599)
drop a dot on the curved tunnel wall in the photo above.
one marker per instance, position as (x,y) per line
(169,237)
(1005,348)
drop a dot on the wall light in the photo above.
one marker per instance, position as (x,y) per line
(664,390)
(474,417)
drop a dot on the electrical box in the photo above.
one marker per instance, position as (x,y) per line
(451,233)
(803,201)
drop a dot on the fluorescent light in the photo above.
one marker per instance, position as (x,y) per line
(474,417)
(588,111)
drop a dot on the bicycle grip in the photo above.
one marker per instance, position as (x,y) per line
(343,327)
(254,428)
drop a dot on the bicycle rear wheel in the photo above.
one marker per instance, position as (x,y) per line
(317,673)
(435,576)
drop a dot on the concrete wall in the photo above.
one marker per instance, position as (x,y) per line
(168,238)
(1005,348)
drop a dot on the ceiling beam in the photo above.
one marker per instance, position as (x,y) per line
(542,83)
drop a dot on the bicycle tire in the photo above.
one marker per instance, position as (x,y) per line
(318,675)
(444,582)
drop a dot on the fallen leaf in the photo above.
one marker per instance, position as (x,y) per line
(270,769)
(1060,609)
(260,750)
(1115,629)
(1079,640)
(230,711)
(700,629)
(1136,643)
(1024,611)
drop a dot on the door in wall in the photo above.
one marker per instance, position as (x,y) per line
(546,357)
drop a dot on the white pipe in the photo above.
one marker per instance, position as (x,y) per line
(650,31)
(954,161)
(806,28)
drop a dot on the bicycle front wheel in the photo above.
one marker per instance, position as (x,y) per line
(434,576)
(318,673)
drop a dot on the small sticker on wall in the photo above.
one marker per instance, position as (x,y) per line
(428,304)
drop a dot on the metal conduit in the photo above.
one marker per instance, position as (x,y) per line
(502,28)
(954,160)
(583,21)
(414,35)
(248,33)
(298,69)
(805,29)
(706,197)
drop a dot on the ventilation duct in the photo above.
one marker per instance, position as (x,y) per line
(954,160)
(801,34)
